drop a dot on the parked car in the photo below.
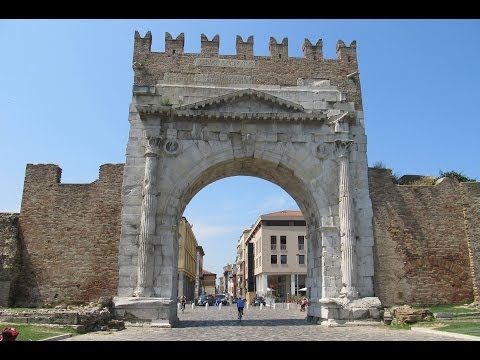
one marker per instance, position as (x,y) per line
(221,298)
(257,300)
(206,299)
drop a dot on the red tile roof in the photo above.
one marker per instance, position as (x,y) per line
(285,213)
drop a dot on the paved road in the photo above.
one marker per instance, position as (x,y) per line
(267,324)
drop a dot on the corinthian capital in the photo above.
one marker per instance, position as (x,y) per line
(343,147)
(152,146)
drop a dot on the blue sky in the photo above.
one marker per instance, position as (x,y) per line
(65,88)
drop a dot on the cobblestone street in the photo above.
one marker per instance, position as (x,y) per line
(280,324)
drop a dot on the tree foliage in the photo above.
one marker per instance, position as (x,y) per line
(455,175)
(379,165)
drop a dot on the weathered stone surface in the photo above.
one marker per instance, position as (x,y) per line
(10,255)
(260,120)
(427,240)
(69,235)
(407,315)
(83,318)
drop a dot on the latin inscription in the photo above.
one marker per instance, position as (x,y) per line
(224,62)
(222,79)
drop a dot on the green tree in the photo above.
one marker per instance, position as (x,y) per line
(455,175)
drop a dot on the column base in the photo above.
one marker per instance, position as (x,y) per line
(160,312)
(341,310)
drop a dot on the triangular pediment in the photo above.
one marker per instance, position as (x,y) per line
(245,101)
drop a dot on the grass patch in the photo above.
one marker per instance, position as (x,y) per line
(29,332)
(447,308)
(399,326)
(451,309)
(464,327)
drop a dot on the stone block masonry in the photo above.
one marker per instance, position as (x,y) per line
(69,237)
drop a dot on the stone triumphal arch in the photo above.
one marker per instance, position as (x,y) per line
(297,122)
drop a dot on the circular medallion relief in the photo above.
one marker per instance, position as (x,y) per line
(171,146)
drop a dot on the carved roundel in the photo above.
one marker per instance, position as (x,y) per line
(171,147)
(321,151)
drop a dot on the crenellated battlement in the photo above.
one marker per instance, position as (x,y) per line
(174,46)
(243,69)
(312,51)
(244,49)
(210,47)
(347,53)
(278,51)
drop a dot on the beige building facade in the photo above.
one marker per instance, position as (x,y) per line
(279,254)
(187,260)
(209,283)
(241,261)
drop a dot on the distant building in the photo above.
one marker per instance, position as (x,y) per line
(222,285)
(188,260)
(241,261)
(209,280)
(277,254)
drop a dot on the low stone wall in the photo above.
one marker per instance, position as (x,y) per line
(92,317)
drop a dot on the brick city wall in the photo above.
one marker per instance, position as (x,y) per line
(422,244)
(427,239)
(244,67)
(69,235)
(9,255)
(471,195)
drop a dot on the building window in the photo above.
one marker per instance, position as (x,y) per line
(301,259)
(273,259)
(301,243)
(273,242)
(283,259)
(283,243)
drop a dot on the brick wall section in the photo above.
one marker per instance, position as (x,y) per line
(421,251)
(70,235)
(268,70)
(9,254)
(427,239)
(471,195)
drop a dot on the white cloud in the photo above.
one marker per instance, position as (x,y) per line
(272,204)
(204,231)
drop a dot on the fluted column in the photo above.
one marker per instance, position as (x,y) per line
(147,223)
(346,222)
